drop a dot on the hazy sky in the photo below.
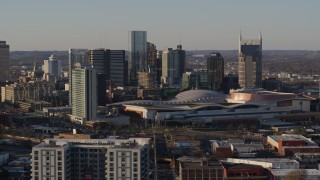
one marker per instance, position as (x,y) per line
(202,24)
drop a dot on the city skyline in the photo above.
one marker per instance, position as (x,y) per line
(59,25)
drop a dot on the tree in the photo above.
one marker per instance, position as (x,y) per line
(300,131)
(298,174)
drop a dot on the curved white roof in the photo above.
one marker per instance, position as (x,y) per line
(200,95)
(186,97)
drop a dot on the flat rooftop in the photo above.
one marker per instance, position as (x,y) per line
(283,172)
(113,143)
(289,137)
(266,160)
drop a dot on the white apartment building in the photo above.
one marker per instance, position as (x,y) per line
(91,159)
(84,95)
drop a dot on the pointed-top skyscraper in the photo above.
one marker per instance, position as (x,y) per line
(250,62)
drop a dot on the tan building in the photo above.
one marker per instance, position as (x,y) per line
(72,136)
(147,79)
(25,91)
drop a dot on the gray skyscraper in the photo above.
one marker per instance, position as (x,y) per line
(137,53)
(250,62)
(173,65)
(77,57)
(118,73)
(99,59)
(215,68)
(4,61)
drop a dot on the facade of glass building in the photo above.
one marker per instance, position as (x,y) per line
(137,59)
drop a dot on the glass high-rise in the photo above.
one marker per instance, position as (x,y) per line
(173,65)
(215,68)
(137,53)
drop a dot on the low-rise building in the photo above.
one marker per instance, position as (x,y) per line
(287,144)
(244,171)
(246,148)
(199,169)
(308,174)
(307,160)
(269,163)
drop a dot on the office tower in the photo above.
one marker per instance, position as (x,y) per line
(215,69)
(111,63)
(4,61)
(52,66)
(196,80)
(77,57)
(84,95)
(91,159)
(250,62)
(101,89)
(231,81)
(173,65)
(99,59)
(137,53)
(118,69)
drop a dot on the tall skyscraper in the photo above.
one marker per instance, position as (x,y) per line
(4,61)
(250,62)
(118,69)
(99,59)
(84,94)
(137,53)
(215,68)
(77,57)
(173,65)
(52,66)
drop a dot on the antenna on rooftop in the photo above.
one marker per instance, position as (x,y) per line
(100,40)
(105,40)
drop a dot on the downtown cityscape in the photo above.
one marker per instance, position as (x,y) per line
(160,100)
